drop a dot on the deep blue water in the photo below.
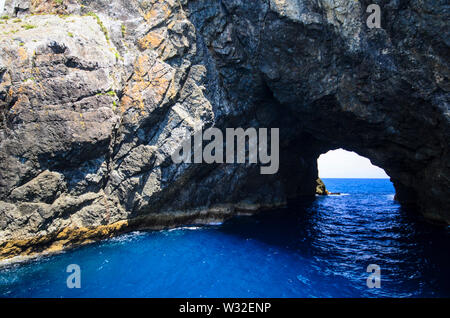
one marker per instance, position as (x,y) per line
(310,249)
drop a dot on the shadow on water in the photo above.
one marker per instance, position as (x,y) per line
(285,227)
(342,236)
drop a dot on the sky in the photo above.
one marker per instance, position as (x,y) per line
(345,164)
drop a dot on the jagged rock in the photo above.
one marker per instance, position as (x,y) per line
(320,188)
(46,187)
(95,96)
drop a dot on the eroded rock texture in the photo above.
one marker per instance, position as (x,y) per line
(96,95)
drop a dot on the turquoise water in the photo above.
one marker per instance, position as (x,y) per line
(310,249)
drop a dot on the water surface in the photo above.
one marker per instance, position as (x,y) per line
(310,249)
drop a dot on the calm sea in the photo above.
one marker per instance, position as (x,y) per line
(319,248)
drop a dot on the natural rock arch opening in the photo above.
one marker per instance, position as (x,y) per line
(340,163)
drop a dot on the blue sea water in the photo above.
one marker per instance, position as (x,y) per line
(315,248)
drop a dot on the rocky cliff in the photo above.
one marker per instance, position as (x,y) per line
(95,96)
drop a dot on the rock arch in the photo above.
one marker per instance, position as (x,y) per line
(348,86)
(86,133)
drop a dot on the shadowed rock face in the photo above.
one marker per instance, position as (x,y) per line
(95,98)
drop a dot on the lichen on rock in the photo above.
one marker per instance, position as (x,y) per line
(321,188)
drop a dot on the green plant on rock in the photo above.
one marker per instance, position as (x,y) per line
(118,56)
(28,26)
(109,93)
(100,23)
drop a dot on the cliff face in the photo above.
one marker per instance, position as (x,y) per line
(96,95)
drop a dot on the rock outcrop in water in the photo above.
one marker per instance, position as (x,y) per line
(96,95)
(321,189)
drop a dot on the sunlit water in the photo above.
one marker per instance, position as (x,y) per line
(311,249)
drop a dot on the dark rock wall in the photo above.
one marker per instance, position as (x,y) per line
(380,92)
